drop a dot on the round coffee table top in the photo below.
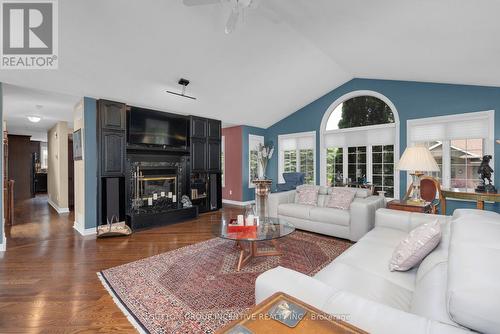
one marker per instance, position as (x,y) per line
(268,229)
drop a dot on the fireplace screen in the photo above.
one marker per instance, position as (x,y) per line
(158,186)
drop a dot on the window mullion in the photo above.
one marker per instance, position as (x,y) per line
(369,162)
(345,163)
(446,164)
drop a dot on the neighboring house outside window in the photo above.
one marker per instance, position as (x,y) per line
(359,140)
(458,143)
(297,153)
(253,155)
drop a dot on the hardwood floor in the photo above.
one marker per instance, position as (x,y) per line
(48,281)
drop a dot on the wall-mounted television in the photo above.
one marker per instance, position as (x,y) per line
(157,129)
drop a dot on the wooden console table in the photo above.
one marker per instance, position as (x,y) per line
(480,198)
(314,321)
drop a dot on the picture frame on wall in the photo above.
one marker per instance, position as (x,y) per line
(77,145)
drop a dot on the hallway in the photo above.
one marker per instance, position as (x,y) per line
(49,282)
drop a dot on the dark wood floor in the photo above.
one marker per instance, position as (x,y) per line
(48,281)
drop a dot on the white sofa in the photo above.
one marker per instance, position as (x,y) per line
(455,289)
(349,224)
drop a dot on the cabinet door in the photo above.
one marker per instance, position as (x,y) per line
(113,153)
(214,129)
(198,127)
(112,115)
(198,154)
(213,156)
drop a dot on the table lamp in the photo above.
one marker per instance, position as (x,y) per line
(417,160)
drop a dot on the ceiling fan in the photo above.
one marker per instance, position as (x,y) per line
(237,9)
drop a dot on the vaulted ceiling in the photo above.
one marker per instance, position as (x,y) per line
(284,55)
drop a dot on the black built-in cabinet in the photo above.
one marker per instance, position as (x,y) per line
(205,164)
(206,160)
(111,142)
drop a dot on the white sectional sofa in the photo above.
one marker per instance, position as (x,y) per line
(455,289)
(349,224)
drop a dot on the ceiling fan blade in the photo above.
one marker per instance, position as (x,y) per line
(232,20)
(200,2)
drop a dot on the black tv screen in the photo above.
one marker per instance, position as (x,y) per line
(156,128)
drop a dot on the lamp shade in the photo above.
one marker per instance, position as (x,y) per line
(418,158)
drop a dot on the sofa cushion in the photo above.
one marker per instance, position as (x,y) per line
(330,215)
(307,195)
(363,270)
(360,192)
(295,210)
(473,294)
(429,298)
(340,198)
(416,246)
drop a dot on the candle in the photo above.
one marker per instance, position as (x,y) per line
(150,201)
(240,220)
(250,221)
(155,196)
(169,194)
(162,194)
(174,198)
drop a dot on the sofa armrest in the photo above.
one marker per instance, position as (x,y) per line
(362,212)
(275,199)
(405,221)
(375,318)
(298,285)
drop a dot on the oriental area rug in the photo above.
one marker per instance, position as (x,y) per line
(196,289)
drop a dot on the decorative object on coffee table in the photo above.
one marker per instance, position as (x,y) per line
(269,230)
(257,320)
(417,160)
(485,172)
(262,191)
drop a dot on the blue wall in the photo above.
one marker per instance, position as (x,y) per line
(1,166)
(90,156)
(248,194)
(412,100)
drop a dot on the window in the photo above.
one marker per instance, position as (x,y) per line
(297,153)
(253,158)
(458,143)
(383,169)
(359,140)
(335,166)
(222,161)
(44,156)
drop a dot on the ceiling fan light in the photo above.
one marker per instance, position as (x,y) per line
(34,118)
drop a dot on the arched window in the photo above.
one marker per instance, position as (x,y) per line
(359,142)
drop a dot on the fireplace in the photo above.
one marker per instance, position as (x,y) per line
(157,183)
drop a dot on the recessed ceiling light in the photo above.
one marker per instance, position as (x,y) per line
(34,118)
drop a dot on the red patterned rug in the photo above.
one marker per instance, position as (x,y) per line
(196,289)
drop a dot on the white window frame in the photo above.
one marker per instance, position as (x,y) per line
(369,172)
(489,142)
(260,140)
(223,165)
(281,156)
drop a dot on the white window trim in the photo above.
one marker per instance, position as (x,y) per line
(251,138)
(281,156)
(489,143)
(323,132)
(223,151)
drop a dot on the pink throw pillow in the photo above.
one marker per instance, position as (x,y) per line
(307,195)
(340,198)
(416,246)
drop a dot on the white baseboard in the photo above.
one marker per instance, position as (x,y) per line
(237,203)
(80,228)
(3,245)
(57,208)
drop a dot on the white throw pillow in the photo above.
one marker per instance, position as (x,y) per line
(416,246)
(340,198)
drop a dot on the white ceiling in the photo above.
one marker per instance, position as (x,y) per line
(19,102)
(272,65)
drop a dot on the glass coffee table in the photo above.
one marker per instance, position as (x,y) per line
(269,229)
